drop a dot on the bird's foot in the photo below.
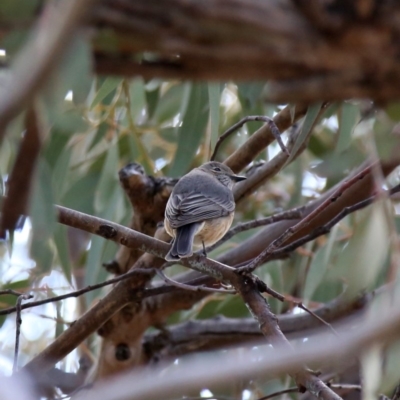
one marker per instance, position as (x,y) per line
(204,250)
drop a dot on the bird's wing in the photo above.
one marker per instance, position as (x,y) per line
(187,208)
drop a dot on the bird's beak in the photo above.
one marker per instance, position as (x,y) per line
(237,178)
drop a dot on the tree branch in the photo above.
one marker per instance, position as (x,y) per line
(20,180)
(382,330)
(263,137)
(18,323)
(122,294)
(221,332)
(268,121)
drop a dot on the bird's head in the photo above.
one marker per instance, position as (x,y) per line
(222,172)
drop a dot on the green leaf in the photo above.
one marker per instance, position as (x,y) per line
(14,41)
(152,98)
(306,130)
(371,371)
(61,242)
(272,275)
(109,84)
(80,196)
(108,179)
(391,368)
(232,307)
(249,94)
(96,256)
(77,68)
(393,111)
(169,134)
(192,130)
(42,212)
(137,98)
(73,73)
(386,142)
(43,219)
(318,146)
(18,9)
(42,252)
(60,173)
(169,104)
(55,146)
(334,166)
(214,97)
(228,306)
(363,257)
(10,300)
(349,116)
(319,266)
(59,323)
(101,132)
(137,147)
(70,122)
(292,110)
(20,286)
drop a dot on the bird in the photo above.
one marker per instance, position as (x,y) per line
(200,209)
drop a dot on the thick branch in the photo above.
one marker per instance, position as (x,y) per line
(382,330)
(263,137)
(358,192)
(310,58)
(122,294)
(342,53)
(221,332)
(20,180)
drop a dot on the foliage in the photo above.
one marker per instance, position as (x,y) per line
(95,125)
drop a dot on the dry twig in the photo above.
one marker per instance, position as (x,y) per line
(18,322)
(189,287)
(269,122)
(277,243)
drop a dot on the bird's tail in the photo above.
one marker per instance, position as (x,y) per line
(183,243)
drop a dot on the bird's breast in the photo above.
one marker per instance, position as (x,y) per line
(213,230)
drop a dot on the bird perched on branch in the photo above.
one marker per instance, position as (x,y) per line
(200,209)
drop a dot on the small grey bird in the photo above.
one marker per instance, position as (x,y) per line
(200,209)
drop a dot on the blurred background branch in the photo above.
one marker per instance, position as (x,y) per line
(91,88)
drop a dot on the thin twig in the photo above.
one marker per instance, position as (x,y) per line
(10,291)
(268,169)
(294,389)
(289,214)
(344,386)
(18,322)
(306,309)
(324,229)
(146,293)
(264,288)
(276,244)
(269,121)
(76,293)
(189,287)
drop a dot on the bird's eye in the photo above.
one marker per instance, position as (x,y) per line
(217,169)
